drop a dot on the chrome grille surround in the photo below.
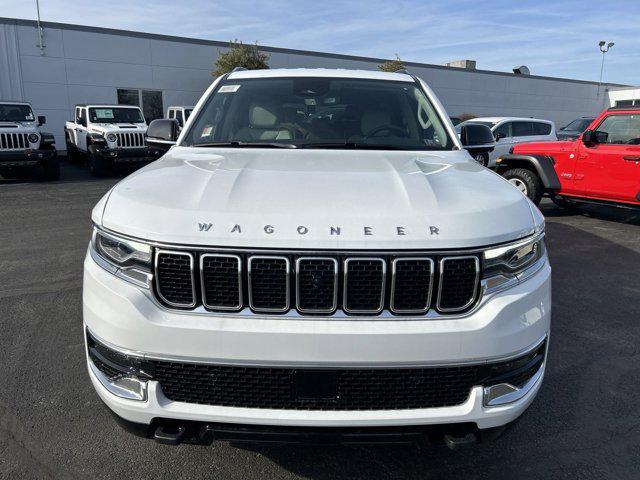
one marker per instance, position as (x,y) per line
(299,261)
(394,263)
(203,289)
(252,305)
(157,256)
(441,268)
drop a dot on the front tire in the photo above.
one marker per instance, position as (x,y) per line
(98,166)
(527,182)
(50,169)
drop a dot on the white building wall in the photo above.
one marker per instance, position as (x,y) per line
(624,94)
(87,65)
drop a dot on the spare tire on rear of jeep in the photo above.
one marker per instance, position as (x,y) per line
(527,181)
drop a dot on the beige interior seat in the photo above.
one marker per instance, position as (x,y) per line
(264,121)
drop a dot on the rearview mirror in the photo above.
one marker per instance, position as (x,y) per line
(41,120)
(162,133)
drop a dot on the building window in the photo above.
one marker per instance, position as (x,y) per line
(150,101)
(628,103)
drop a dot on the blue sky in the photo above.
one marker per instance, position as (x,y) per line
(555,38)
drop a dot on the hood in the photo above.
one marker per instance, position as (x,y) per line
(333,199)
(117,127)
(18,127)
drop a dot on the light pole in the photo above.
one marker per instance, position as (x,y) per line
(604,48)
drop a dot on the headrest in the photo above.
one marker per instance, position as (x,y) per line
(261,116)
(372,119)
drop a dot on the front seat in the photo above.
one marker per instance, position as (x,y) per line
(263,124)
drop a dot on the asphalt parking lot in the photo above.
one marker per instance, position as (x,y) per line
(585,422)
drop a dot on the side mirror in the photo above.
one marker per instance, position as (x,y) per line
(41,120)
(82,120)
(499,136)
(589,138)
(162,133)
(477,137)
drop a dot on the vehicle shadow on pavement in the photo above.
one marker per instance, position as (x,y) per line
(612,214)
(585,418)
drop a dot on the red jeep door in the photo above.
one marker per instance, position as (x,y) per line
(610,169)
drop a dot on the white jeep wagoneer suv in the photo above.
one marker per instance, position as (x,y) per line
(316,257)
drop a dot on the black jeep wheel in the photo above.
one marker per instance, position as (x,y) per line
(527,182)
(50,169)
(98,166)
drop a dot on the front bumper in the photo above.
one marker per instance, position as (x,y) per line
(25,158)
(126,155)
(126,317)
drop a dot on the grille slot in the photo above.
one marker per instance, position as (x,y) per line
(411,285)
(175,278)
(458,283)
(14,141)
(357,389)
(316,284)
(130,140)
(221,277)
(364,283)
(268,283)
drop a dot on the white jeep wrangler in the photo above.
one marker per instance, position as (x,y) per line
(107,135)
(316,254)
(23,145)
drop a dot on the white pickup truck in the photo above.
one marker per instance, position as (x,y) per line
(180,113)
(107,135)
(23,145)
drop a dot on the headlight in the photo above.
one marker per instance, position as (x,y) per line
(509,264)
(111,137)
(128,259)
(33,138)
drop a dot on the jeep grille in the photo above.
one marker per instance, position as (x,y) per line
(130,140)
(14,141)
(316,285)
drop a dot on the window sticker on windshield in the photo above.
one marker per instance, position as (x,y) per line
(229,88)
(104,113)
(206,131)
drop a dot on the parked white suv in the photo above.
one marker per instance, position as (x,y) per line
(107,135)
(509,131)
(316,254)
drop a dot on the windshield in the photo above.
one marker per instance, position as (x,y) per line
(115,115)
(319,112)
(579,125)
(16,113)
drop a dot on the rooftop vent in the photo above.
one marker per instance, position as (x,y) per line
(466,64)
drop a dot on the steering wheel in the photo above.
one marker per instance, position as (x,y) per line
(387,128)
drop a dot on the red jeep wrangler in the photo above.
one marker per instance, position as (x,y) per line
(601,166)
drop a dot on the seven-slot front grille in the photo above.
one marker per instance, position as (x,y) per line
(317,285)
(14,141)
(130,139)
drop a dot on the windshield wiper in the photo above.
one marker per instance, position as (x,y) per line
(355,146)
(242,144)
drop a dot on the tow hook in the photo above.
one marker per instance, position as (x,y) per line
(456,443)
(169,435)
